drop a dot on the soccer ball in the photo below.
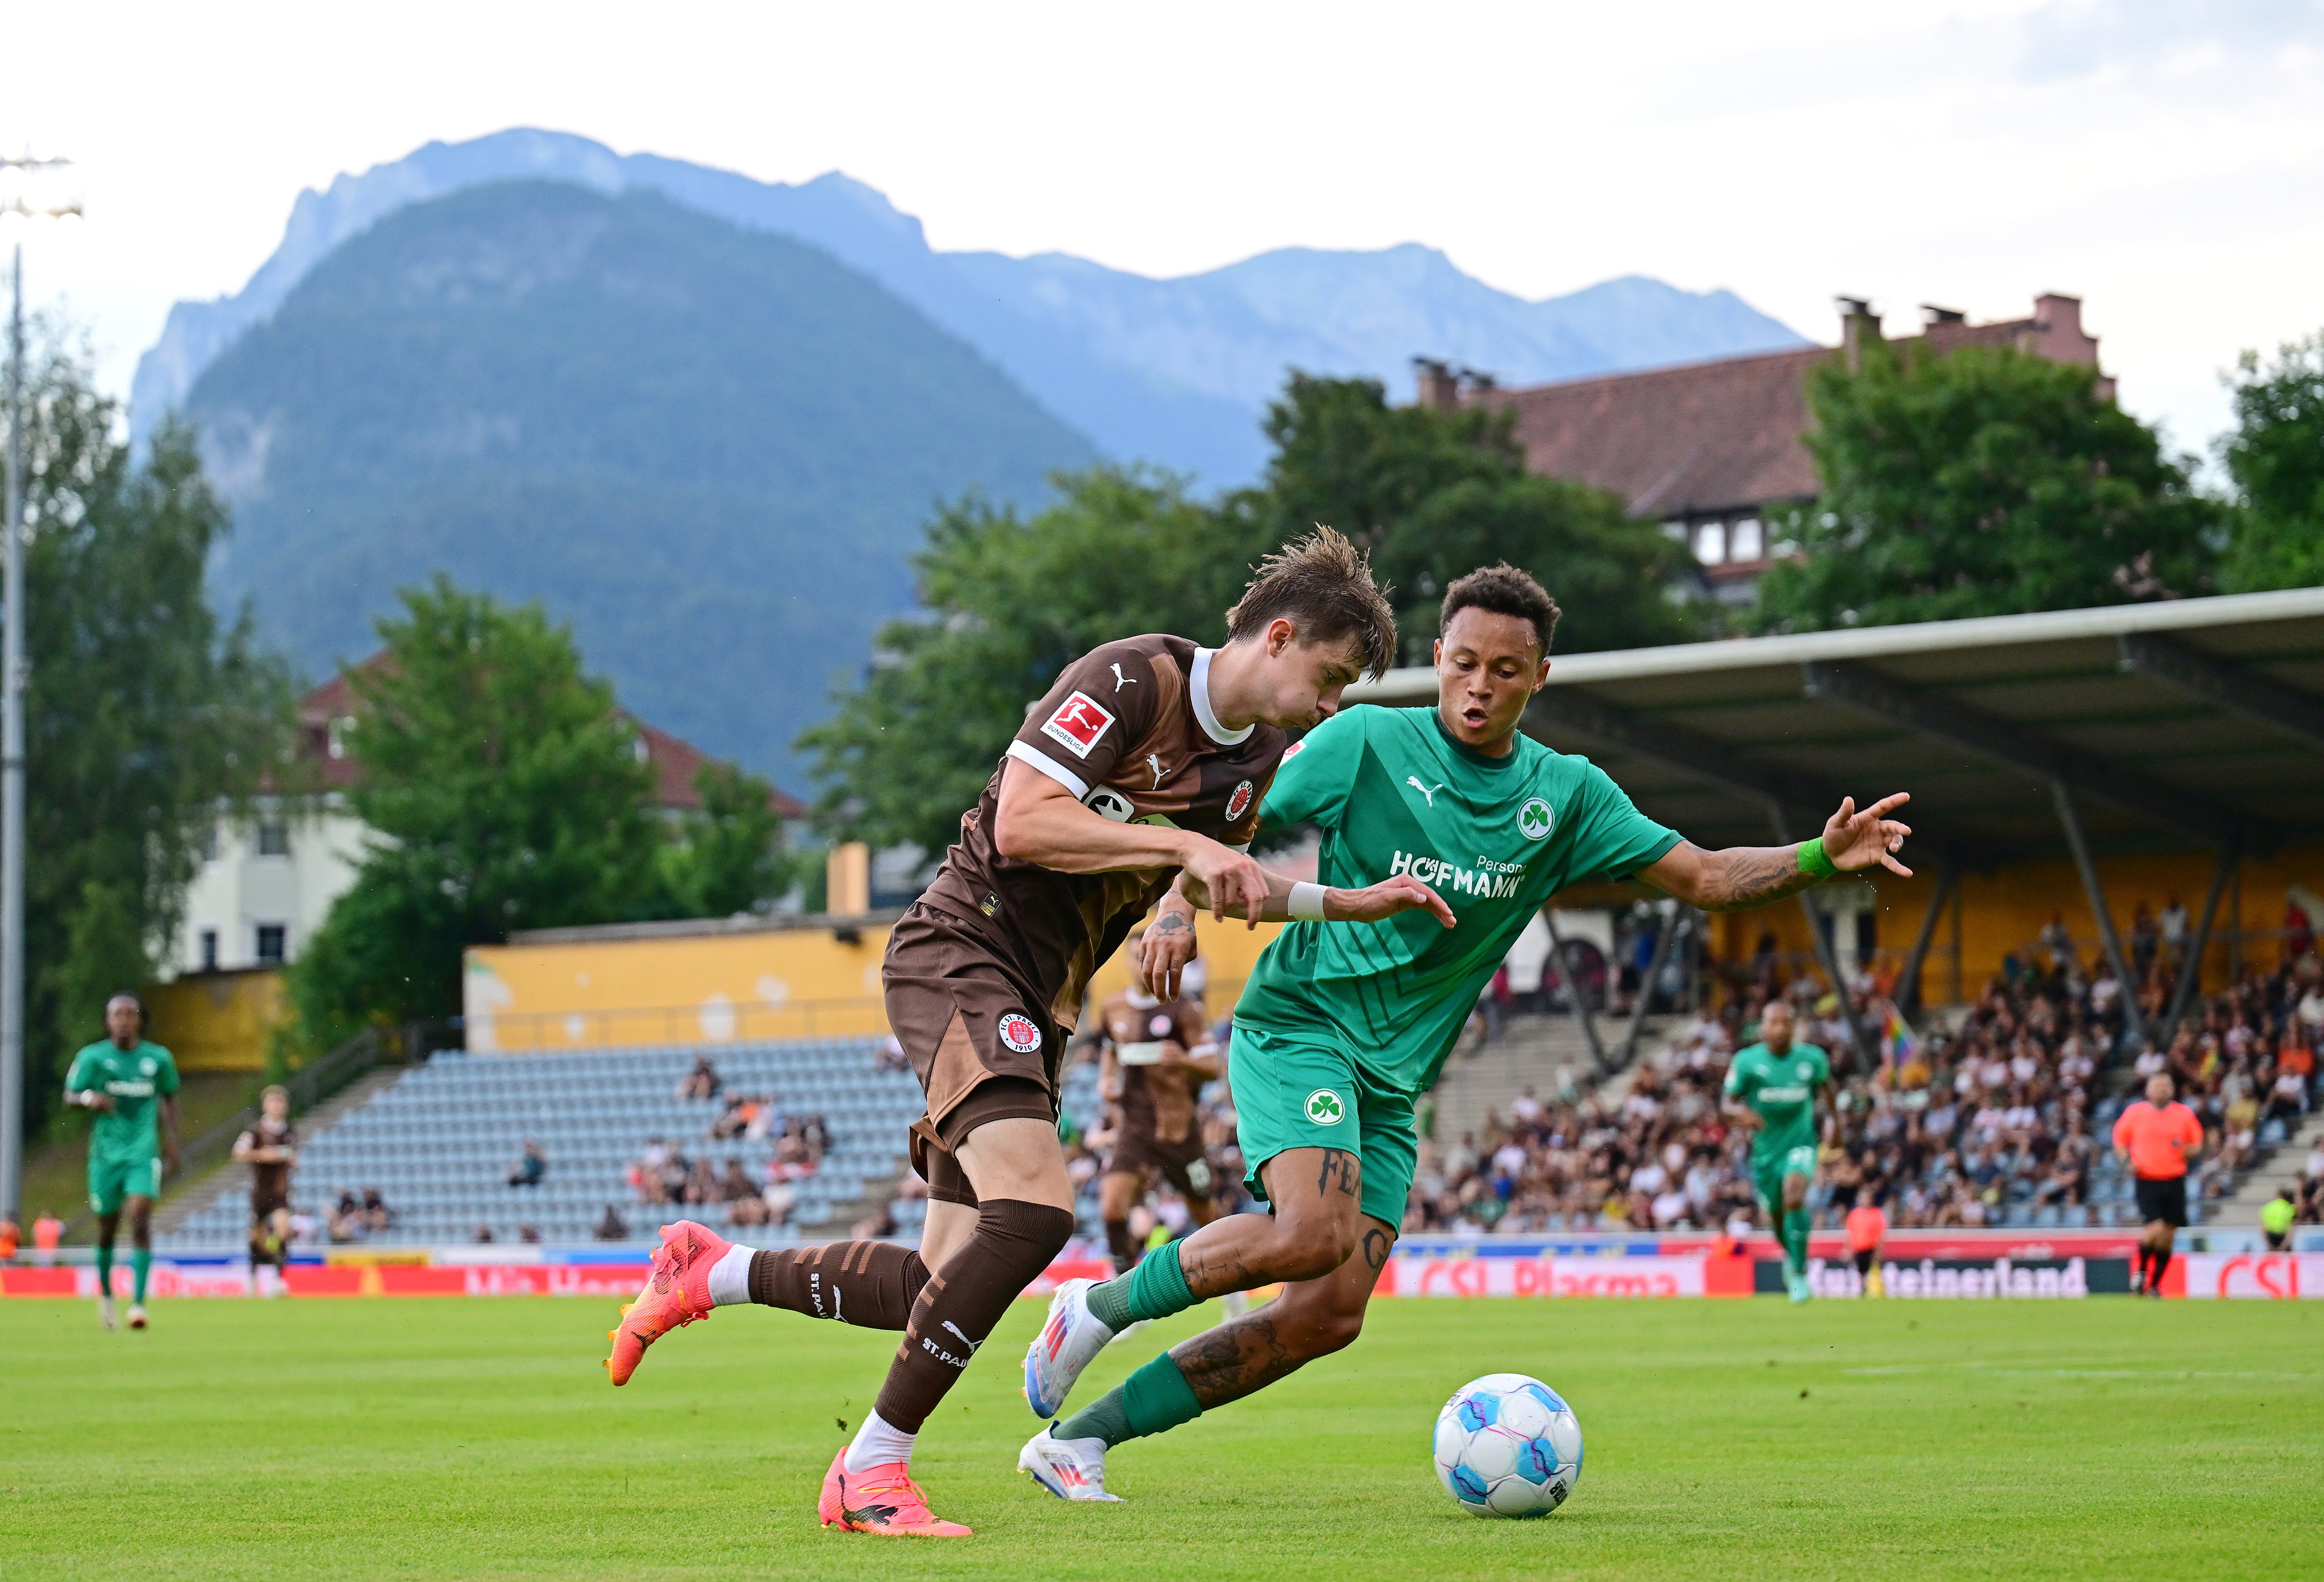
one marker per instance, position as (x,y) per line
(1508,1446)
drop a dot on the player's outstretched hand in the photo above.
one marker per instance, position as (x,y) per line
(1225,881)
(1855,840)
(1403,893)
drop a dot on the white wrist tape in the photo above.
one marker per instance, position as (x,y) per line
(1306,903)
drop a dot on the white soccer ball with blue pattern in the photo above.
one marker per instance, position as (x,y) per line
(1508,1446)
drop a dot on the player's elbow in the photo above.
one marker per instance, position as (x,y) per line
(1016,833)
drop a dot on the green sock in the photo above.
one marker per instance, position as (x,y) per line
(1795,1241)
(1156,1289)
(103,1270)
(1106,1419)
(141,1264)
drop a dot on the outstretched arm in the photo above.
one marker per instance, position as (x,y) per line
(1737,877)
(1170,942)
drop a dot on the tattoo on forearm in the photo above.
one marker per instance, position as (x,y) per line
(1376,1245)
(1752,876)
(1340,1169)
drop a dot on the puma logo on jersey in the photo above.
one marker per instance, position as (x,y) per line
(1154,762)
(1120,681)
(1428,791)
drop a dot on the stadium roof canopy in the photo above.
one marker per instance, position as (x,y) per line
(2192,723)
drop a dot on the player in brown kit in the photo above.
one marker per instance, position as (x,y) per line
(270,1148)
(1148,757)
(1158,1055)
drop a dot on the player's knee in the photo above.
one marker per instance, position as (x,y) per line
(1310,1251)
(1333,1331)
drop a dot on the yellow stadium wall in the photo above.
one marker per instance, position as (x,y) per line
(217,1021)
(718,988)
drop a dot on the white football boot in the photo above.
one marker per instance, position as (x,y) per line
(137,1315)
(1071,1469)
(104,1313)
(1070,1337)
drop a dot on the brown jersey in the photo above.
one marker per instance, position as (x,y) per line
(1129,730)
(270,1182)
(1157,1101)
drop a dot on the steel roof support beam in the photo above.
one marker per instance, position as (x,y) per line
(1908,987)
(2190,972)
(2006,742)
(1580,996)
(1646,982)
(2238,690)
(1828,958)
(2128,986)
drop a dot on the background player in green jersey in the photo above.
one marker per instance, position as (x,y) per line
(130,1083)
(1778,1087)
(1340,1030)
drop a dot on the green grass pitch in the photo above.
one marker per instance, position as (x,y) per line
(478,1438)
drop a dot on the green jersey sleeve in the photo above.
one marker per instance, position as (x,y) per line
(1311,783)
(84,1072)
(1739,1072)
(1612,838)
(165,1079)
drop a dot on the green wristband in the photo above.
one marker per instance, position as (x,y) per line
(1812,859)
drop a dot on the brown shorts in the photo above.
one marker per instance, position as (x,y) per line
(981,1042)
(1182,1165)
(263,1204)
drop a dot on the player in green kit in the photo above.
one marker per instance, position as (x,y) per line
(130,1083)
(1777,1087)
(1340,1031)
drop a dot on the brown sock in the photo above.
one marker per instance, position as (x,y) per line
(1118,1243)
(871,1285)
(1014,1243)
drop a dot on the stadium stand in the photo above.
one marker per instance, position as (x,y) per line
(438,1145)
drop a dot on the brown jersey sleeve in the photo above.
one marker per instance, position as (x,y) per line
(1194,1024)
(1103,702)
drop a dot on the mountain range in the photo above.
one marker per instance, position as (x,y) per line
(706,418)
(1176,372)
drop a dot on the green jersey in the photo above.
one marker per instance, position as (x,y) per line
(1781,1091)
(1393,794)
(137,1079)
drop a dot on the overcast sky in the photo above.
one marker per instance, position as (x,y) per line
(2163,160)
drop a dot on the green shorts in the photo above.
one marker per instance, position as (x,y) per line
(115,1176)
(1768,1171)
(1301,1090)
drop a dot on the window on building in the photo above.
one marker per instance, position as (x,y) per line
(1710,542)
(271,939)
(274,837)
(1748,542)
(1675,531)
(209,951)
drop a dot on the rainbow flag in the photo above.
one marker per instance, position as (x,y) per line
(1897,1040)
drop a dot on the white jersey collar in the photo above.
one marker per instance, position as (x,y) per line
(1198,693)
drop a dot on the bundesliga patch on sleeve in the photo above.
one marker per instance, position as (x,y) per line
(1080,723)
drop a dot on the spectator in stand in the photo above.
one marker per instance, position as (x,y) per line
(702,1082)
(11,1237)
(48,1234)
(612,1228)
(347,1222)
(2276,1217)
(736,1184)
(532,1167)
(483,1234)
(891,1056)
(376,1214)
(529,1234)
(794,1159)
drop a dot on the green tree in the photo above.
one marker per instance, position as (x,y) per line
(2275,455)
(507,791)
(1987,482)
(1008,601)
(726,856)
(1433,494)
(143,708)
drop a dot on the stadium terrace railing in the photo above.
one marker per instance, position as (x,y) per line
(719,1022)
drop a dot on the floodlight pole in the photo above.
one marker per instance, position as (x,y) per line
(11,778)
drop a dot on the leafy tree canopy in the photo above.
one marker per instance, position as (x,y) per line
(507,791)
(1986,482)
(143,708)
(2275,455)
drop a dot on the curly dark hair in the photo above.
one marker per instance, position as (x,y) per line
(1504,590)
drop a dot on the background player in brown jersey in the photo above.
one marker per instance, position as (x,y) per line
(270,1148)
(1156,1056)
(1148,757)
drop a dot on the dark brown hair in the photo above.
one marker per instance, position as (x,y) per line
(1502,589)
(1323,585)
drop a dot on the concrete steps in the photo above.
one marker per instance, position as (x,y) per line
(2279,1170)
(1540,1052)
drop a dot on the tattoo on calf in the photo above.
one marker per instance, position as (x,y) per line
(1376,1245)
(1232,1361)
(1339,1168)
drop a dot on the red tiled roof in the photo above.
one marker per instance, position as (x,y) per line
(675,760)
(1710,437)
